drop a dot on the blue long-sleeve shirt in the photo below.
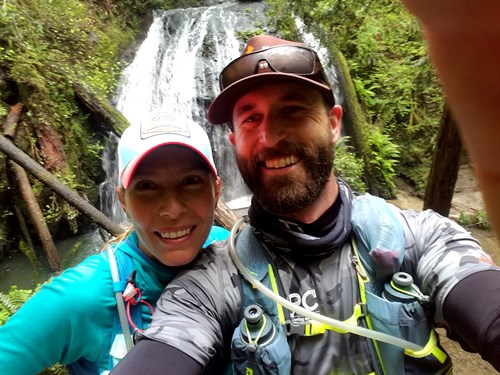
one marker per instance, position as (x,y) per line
(70,320)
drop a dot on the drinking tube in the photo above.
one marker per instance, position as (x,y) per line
(361,331)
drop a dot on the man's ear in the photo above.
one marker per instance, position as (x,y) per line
(230,136)
(335,121)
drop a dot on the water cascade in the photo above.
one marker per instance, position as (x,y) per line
(176,68)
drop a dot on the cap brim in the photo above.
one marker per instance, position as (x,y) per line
(221,108)
(134,163)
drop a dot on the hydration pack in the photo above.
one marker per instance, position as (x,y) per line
(379,244)
(122,268)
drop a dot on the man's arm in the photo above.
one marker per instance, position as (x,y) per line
(448,264)
(472,310)
(156,358)
(464,40)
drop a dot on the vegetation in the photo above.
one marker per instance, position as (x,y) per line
(479,220)
(394,82)
(46,47)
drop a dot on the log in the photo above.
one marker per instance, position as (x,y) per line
(37,218)
(10,123)
(225,216)
(101,111)
(18,156)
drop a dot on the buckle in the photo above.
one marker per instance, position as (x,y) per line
(294,328)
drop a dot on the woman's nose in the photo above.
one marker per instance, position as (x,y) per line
(171,206)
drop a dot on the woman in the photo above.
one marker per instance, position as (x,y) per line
(169,189)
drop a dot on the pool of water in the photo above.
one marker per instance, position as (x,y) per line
(17,269)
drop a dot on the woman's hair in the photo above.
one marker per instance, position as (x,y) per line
(117,239)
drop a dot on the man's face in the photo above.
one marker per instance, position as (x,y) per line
(284,138)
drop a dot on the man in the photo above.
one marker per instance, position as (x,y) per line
(284,123)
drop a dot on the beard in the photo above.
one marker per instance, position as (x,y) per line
(289,194)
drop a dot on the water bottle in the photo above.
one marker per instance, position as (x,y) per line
(258,346)
(256,328)
(400,288)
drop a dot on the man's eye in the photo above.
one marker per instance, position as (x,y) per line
(292,109)
(249,120)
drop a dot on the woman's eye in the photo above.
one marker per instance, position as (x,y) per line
(144,185)
(192,180)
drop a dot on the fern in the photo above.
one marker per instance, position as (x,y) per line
(35,262)
(10,303)
(55,370)
(6,303)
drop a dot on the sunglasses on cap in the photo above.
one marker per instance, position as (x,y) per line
(282,59)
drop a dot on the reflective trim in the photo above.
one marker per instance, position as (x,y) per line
(274,286)
(430,347)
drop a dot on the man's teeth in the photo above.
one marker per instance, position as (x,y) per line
(175,235)
(281,163)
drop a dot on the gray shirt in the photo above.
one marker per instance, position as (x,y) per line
(200,309)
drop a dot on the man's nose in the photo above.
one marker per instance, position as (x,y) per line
(272,132)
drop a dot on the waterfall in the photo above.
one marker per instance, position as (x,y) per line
(176,68)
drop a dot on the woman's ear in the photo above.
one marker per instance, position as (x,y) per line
(218,189)
(120,191)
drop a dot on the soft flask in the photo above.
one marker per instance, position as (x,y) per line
(258,346)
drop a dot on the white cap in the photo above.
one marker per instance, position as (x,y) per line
(160,129)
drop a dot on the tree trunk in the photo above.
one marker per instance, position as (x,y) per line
(24,228)
(52,182)
(353,119)
(37,218)
(445,165)
(51,148)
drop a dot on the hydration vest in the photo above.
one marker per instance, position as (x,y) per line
(378,244)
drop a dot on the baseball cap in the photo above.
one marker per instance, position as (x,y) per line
(267,59)
(160,129)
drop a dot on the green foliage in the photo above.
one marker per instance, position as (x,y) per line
(46,47)
(394,80)
(35,262)
(69,259)
(55,370)
(244,36)
(11,302)
(478,219)
(348,166)
(383,160)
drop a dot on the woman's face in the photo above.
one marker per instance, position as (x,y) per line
(170,202)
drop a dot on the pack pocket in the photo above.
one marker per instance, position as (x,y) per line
(118,349)
(412,322)
(271,359)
